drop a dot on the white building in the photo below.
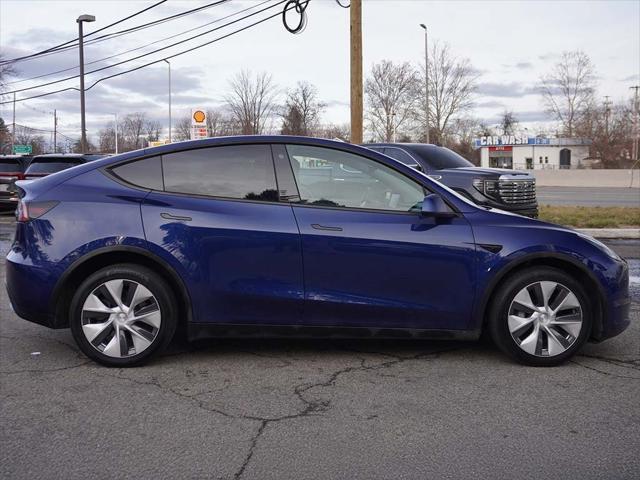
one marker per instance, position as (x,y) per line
(521,152)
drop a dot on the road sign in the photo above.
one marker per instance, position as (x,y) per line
(198,123)
(22,149)
(158,143)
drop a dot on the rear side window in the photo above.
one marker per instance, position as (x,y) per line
(400,155)
(7,166)
(235,171)
(145,173)
(50,165)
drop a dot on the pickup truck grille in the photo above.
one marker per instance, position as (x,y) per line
(516,192)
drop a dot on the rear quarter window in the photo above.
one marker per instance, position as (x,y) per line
(145,173)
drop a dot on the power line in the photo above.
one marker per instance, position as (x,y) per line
(142,46)
(119,33)
(58,47)
(156,61)
(53,82)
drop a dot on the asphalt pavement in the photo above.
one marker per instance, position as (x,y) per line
(588,196)
(317,409)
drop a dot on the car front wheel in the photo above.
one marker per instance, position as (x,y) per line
(540,316)
(122,315)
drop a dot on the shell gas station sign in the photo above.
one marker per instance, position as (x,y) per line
(198,123)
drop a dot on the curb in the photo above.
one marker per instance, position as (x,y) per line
(611,233)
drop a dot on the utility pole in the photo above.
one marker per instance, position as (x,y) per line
(393,119)
(607,111)
(83,139)
(426,81)
(116,133)
(356,71)
(13,131)
(55,131)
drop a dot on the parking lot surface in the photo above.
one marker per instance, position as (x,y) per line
(280,409)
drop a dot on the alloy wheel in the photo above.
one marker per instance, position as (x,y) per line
(121,318)
(545,319)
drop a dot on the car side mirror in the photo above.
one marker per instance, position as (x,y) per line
(434,206)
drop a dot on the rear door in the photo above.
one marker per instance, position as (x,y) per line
(370,259)
(237,246)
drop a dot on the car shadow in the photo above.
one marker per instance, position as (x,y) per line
(288,347)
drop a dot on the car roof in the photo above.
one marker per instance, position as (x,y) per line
(405,145)
(60,155)
(15,157)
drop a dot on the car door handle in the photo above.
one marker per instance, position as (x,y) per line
(169,216)
(317,226)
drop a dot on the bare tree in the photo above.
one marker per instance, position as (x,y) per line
(6,71)
(335,132)
(133,129)
(28,136)
(219,123)
(182,128)
(452,85)
(610,129)
(508,123)
(568,89)
(152,129)
(461,134)
(107,138)
(252,101)
(302,110)
(390,94)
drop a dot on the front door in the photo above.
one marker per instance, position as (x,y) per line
(369,257)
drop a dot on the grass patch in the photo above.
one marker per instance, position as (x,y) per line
(591,217)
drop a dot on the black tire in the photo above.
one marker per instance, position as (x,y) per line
(143,276)
(497,321)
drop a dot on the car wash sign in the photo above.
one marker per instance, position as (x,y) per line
(498,140)
(198,124)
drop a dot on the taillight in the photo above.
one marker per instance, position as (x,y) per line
(30,210)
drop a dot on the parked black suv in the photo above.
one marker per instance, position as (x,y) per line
(510,190)
(11,169)
(43,165)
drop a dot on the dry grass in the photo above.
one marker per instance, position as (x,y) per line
(591,217)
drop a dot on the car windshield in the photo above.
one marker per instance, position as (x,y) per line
(7,166)
(51,165)
(440,158)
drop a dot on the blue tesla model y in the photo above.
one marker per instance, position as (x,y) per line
(277,235)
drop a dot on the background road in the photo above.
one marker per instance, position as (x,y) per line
(317,409)
(588,196)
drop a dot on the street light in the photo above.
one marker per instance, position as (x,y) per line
(426,78)
(169,64)
(116,131)
(81,19)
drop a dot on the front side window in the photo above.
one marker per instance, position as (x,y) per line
(334,178)
(235,171)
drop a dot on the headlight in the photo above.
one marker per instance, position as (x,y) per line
(597,243)
(486,187)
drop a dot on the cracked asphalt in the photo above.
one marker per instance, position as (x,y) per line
(316,409)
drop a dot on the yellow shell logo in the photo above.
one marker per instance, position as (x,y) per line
(199,116)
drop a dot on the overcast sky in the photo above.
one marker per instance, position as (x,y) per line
(510,42)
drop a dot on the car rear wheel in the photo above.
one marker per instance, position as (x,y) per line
(540,316)
(122,315)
